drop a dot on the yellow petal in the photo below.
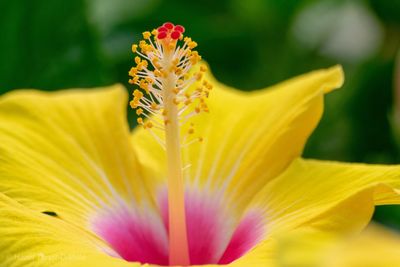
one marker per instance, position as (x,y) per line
(30,239)
(249,138)
(330,196)
(316,196)
(376,246)
(67,152)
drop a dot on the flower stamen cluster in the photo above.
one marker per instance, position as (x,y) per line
(163,72)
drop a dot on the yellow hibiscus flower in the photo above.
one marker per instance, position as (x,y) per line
(78,189)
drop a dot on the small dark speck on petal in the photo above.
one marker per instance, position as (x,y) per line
(50,213)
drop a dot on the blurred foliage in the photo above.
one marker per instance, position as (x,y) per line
(48,44)
(56,44)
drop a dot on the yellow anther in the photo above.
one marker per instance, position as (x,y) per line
(143,64)
(149,80)
(197,109)
(146,35)
(198,76)
(176,90)
(192,44)
(139,120)
(178,71)
(200,139)
(191,131)
(139,67)
(154,32)
(133,71)
(195,57)
(175,101)
(144,85)
(134,48)
(164,112)
(156,63)
(166,121)
(149,125)
(135,79)
(188,102)
(158,73)
(136,100)
(147,48)
(203,68)
(154,106)
(137,60)
(139,111)
(142,44)
(134,103)
(137,93)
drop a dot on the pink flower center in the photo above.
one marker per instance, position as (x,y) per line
(214,237)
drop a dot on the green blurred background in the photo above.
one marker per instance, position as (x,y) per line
(56,44)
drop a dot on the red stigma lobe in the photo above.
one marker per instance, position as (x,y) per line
(162,35)
(175,35)
(168,25)
(179,28)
